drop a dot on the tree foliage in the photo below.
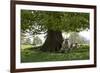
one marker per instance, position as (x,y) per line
(40,21)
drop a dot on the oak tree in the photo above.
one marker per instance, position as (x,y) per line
(53,23)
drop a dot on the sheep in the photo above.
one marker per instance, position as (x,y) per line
(67,45)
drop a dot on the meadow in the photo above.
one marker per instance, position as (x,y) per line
(33,54)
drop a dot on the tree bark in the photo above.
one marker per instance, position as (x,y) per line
(53,41)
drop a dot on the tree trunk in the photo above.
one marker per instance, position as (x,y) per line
(53,41)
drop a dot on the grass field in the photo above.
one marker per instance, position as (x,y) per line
(30,54)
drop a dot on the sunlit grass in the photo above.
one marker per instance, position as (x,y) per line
(25,46)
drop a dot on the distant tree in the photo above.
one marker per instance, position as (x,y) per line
(23,38)
(27,41)
(76,38)
(37,41)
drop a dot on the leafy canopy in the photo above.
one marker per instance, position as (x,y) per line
(40,21)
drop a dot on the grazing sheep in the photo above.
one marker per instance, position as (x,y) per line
(67,46)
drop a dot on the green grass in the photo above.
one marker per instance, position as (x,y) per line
(29,54)
(25,46)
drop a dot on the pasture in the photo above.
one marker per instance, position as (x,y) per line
(33,54)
